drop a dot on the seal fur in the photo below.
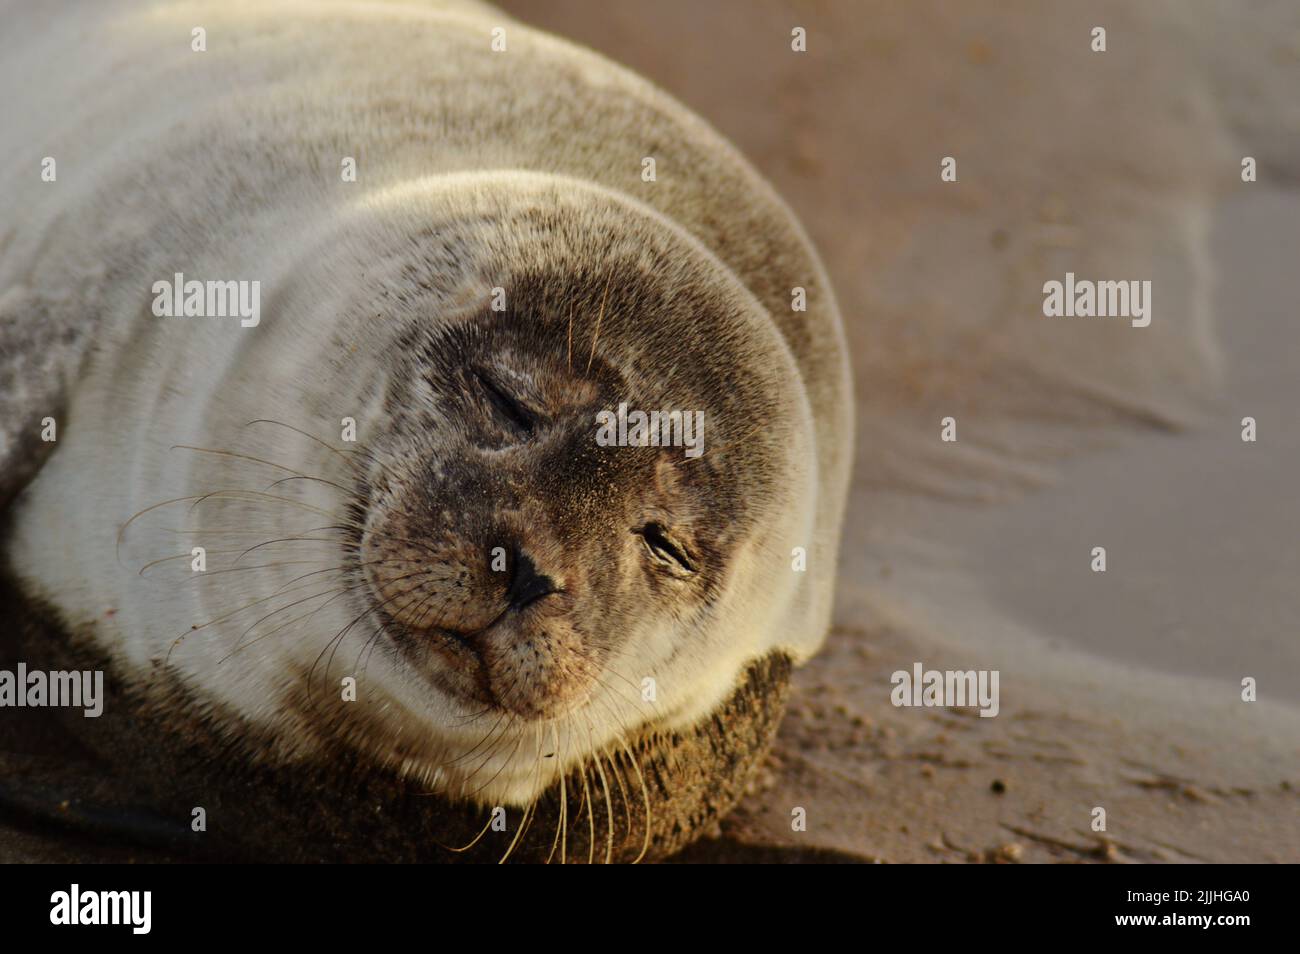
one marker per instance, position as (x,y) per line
(462,190)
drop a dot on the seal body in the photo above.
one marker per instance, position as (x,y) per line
(305,335)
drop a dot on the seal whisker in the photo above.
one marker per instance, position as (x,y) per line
(214,531)
(591,813)
(183,636)
(618,718)
(488,754)
(343,591)
(286,590)
(190,556)
(519,832)
(232,613)
(389,561)
(249,457)
(620,738)
(374,637)
(320,480)
(332,590)
(364,457)
(531,811)
(355,531)
(474,718)
(488,758)
(559,821)
(267,543)
(473,841)
(121,531)
(337,639)
(609,805)
(206,574)
(420,544)
(645,794)
(621,777)
(441,608)
(261,495)
(329,447)
(599,315)
(616,654)
(466,755)
(564,817)
(339,635)
(349,456)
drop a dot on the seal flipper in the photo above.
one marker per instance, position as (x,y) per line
(37,356)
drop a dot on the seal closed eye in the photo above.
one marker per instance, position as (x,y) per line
(506,405)
(665,550)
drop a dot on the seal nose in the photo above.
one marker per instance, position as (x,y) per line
(529,584)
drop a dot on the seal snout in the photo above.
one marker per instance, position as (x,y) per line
(528,585)
(503,632)
(533,662)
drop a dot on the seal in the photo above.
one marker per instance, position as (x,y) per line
(310,352)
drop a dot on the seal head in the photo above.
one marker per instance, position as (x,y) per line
(534,558)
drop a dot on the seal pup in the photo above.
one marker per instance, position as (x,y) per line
(305,345)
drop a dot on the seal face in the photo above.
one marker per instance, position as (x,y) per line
(445,566)
(513,550)
(512,556)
